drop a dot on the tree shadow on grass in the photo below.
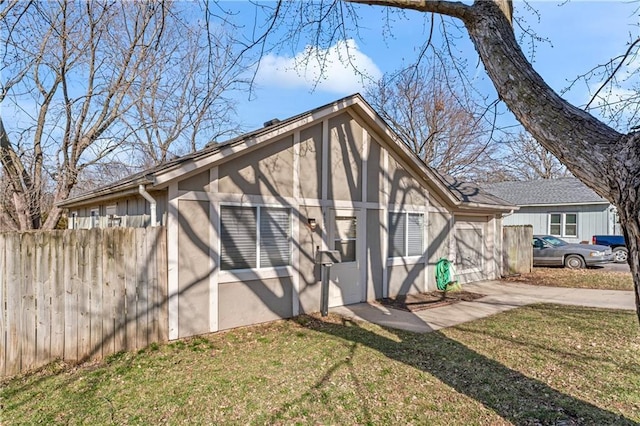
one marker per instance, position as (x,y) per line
(515,397)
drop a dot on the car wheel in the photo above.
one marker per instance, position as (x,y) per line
(574,261)
(620,254)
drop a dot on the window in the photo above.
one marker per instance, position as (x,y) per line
(406,231)
(346,237)
(73,220)
(254,237)
(563,224)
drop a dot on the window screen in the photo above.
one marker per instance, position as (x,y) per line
(242,227)
(238,233)
(397,231)
(274,237)
(414,234)
(406,234)
(571,225)
(346,237)
(555,224)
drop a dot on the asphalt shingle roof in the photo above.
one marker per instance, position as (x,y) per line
(469,192)
(545,192)
(465,192)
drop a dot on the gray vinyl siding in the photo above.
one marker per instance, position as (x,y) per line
(133,211)
(592,219)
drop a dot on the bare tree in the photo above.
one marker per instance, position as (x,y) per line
(437,121)
(86,77)
(523,158)
(186,97)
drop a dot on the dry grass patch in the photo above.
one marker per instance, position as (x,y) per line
(535,365)
(577,278)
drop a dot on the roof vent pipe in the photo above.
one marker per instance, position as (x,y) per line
(271,122)
(152,204)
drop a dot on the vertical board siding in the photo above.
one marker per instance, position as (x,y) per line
(517,251)
(80,294)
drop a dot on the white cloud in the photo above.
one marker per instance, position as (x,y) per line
(342,68)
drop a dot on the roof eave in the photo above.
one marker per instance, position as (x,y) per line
(105,194)
(604,202)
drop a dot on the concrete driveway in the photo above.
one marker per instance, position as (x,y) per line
(499,297)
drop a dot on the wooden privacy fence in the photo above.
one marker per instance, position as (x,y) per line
(517,249)
(80,294)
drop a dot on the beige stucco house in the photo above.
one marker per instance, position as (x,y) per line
(245,219)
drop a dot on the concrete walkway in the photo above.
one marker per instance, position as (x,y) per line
(500,296)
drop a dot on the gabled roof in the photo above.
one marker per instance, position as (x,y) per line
(545,192)
(459,194)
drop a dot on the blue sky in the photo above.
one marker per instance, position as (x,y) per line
(579,35)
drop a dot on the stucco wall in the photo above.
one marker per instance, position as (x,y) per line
(439,237)
(310,277)
(194,269)
(345,159)
(265,171)
(252,302)
(311,162)
(403,188)
(375,256)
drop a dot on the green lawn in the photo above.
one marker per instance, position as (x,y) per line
(540,364)
(577,278)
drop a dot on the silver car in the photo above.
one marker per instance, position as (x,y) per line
(552,251)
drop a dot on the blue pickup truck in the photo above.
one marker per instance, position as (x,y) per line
(617,244)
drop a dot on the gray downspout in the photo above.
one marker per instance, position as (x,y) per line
(152,204)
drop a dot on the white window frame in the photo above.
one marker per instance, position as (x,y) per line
(258,271)
(406,214)
(73,220)
(563,224)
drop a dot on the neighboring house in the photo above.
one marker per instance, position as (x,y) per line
(245,219)
(564,207)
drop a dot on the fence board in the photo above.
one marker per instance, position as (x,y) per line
(94,284)
(152,240)
(70,241)
(75,294)
(43,298)
(84,295)
(119,302)
(3,294)
(13,358)
(108,283)
(129,250)
(56,278)
(163,291)
(517,252)
(29,310)
(142,302)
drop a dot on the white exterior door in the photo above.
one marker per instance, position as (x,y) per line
(345,286)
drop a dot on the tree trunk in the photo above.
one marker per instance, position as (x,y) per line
(605,160)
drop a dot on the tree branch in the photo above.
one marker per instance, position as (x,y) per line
(450,8)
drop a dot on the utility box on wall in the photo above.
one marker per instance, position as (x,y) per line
(328,257)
